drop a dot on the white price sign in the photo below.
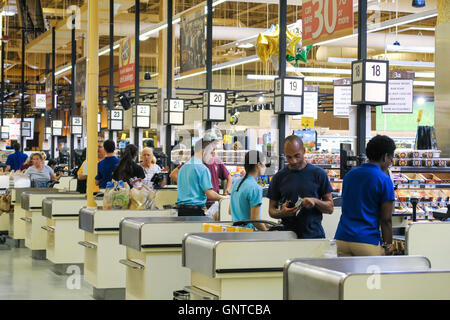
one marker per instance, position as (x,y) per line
(293,87)
(217,99)
(177,105)
(376,71)
(143,111)
(116,114)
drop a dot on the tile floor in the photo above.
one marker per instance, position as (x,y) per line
(22,278)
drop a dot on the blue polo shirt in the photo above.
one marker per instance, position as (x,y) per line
(364,190)
(16,160)
(193,180)
(250,195)
(309,182)
(105,169)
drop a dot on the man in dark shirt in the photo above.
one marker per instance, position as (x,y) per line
(304,180)
(15,160)
(106,167)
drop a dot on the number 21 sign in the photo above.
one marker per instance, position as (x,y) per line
(326,19)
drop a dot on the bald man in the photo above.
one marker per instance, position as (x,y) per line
(304,180)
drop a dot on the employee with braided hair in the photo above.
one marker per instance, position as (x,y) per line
(246,195)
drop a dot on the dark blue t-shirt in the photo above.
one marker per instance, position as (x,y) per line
(310,182)
(105,169)
(363,191)
(16,160)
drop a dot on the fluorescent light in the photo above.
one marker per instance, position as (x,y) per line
(261,77)
(419,29)
(391,62)
(319,70)
(190,75)
(307,79)
(8,13)
(414,49)
(105,51)
(246,45)
(237,62)
(63,70)
(420,101)
(146,35)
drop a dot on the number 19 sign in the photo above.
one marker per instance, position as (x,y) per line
(326,19)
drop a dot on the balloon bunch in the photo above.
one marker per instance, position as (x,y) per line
(267,46)
(234,119)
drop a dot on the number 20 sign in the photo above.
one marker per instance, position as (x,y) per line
(326,19)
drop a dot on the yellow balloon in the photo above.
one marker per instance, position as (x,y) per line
(267,43)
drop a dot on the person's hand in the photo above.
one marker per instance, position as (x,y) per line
(308,203)
(389,251)
(290,212)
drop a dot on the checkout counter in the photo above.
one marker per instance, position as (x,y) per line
(4,218)
(102,250)
(244,266)
(67,183)
(153,255)
(63,233)
(365,278)
(35,236)
(17,217)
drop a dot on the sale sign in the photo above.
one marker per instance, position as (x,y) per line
(326,19)
(126,64)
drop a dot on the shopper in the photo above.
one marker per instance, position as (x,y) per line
(40,174)
(367,203)
(128,169)
(150,167)
(27,164)
(194,184)
(246,195)
(304,180)
(17,159)
(106,167)
(82,171)
(52,164)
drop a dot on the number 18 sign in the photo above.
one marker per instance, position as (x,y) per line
(370,82)
(326,19)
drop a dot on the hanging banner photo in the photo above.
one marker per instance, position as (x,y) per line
(126,64)
(192,42)
(324,20)
(80,80)
(48,91)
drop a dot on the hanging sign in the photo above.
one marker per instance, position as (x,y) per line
(4,130)
(77,125)
(310,103)
(26,129)
(116,120)
(80,80)
(342,97)
(48,91)
(370,82)
(401,92)
(192,41)
(326,19)
(214,106)
(308,122)
(289,95)
(39,101)
(57,126)
(127,64)
(142,116)
(174,112)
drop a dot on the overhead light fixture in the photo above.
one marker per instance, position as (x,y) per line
(261,99)
(424,83)
(420,101)
(63,70)
(319,70)
(246,45)
(105,51)
(418,3)
(105,101)
(396,43)
(414,49)
(391,62)
(307,79)
(418,29)
(147,76)
(424,74)
(261,77)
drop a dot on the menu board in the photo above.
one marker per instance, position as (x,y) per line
(400,96)
(342,97)
(310,105)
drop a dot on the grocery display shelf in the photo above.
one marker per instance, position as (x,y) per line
(423,202)
(423,186)
(328,166)
(421,169)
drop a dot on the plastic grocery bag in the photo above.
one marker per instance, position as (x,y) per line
(213,211)
(141,196)
(117,196)
(20,179)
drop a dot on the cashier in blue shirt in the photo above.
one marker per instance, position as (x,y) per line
(194,184)
(15,160)
(247,194)
(367,203)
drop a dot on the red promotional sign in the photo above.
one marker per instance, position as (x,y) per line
(126,64)
(326,19)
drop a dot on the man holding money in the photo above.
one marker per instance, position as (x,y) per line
(303,191)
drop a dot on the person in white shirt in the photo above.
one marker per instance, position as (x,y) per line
(150,167)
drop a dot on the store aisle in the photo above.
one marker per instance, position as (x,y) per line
(22,278)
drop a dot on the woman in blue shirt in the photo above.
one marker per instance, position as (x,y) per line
(246,194)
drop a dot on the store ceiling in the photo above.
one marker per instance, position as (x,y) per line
(233,21)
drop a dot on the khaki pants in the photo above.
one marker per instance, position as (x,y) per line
(348,249)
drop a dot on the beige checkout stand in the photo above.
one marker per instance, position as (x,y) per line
(16,218)
(153,255)
(4,218)
(66,183)
(35,236)
(243,266)
(365,278)
(103,252)
(63,233)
